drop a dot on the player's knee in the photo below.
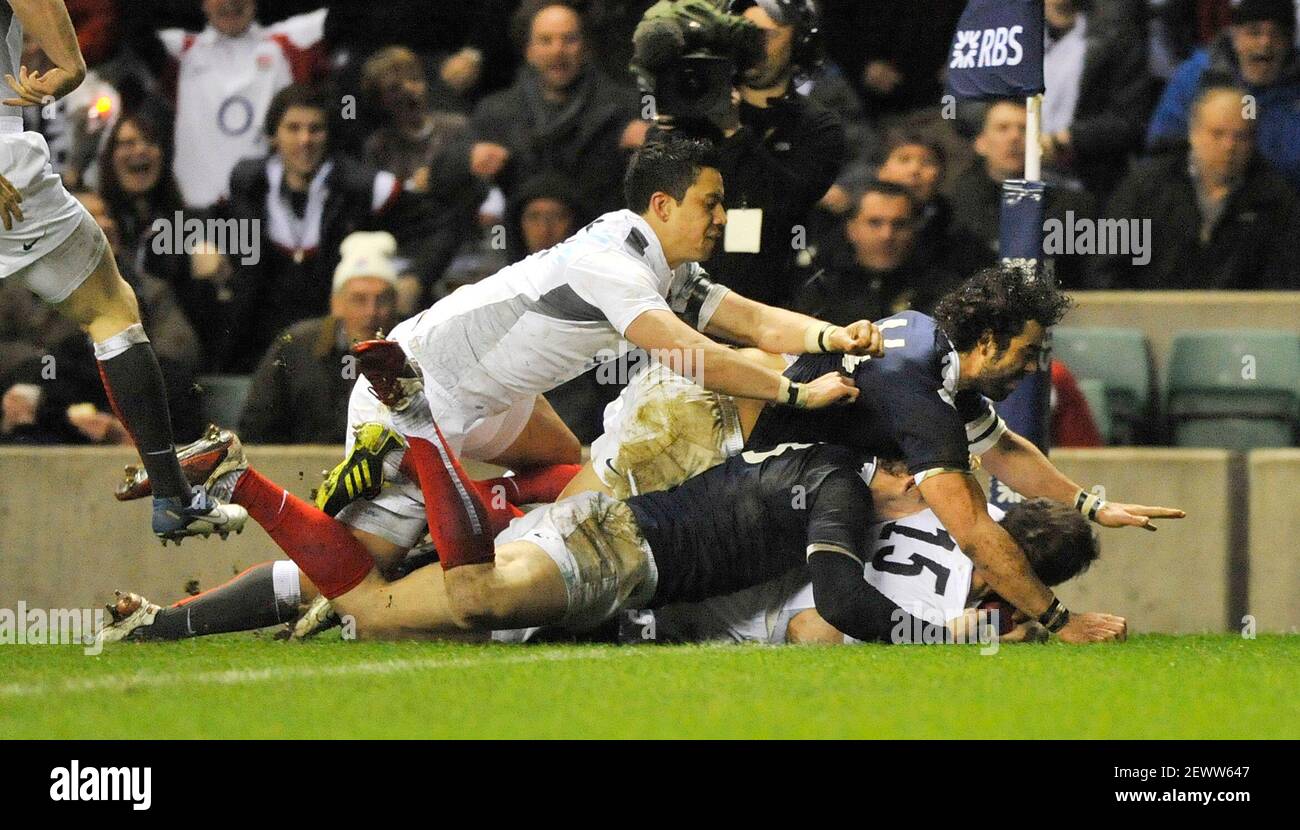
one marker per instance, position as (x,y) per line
(569,449)
(471,600)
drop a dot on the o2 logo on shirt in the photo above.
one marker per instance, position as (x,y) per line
(235,115)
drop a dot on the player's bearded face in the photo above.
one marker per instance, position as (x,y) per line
(1005,368)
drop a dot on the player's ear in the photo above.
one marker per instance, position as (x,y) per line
(662,205)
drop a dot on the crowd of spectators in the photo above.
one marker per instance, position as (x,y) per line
(383,154)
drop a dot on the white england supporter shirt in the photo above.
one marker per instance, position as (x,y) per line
(224,86)
(547,319)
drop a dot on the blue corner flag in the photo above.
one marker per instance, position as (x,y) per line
(997,51)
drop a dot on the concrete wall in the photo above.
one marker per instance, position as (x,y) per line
(1173,580)
(66,543)
(1274,571)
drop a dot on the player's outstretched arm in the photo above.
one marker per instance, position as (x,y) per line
(1016,461)
(47,22)
(720,369)
(781,331)
(957,500)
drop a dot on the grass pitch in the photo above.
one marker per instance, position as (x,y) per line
(245,686)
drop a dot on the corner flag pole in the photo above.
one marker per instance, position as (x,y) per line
(1033,145)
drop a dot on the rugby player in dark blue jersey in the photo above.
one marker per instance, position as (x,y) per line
(926,401)
(578,562)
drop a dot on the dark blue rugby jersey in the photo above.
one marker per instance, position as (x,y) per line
(754,517)
(908,405)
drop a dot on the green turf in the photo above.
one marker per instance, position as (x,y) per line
(247,686)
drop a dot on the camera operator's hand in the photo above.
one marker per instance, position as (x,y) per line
(730,124)
(486,159)
(882,77)
(634,135)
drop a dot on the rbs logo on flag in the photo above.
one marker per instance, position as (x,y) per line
(977,49)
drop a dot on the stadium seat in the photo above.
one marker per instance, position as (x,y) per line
(1121,360)
(1094,391)
(222,398)
(1234,388)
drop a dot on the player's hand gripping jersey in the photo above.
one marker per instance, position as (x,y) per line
(908,405)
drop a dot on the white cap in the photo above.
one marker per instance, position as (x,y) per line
(366,254)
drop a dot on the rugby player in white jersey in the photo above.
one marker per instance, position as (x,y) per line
(52,244)
(480,359)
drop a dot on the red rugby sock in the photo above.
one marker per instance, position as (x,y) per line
(499,504)
(458,521)
(536,485)
(330,555)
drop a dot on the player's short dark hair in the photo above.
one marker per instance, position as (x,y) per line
(1000,299)
(1057,540)
(670,164)
(890,189)
(317,97)
(913,138)
(521,22)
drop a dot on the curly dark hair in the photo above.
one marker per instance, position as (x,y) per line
(999,300)
(1057,539)
(669,164)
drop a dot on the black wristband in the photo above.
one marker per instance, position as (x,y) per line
(792,396)
(821,337)
(1055,617)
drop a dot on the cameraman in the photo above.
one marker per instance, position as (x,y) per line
(779,153)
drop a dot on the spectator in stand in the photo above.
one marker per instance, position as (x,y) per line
(50,389)
(882,276)
(139,190)
(95,22)
(544,212)
(1098,93)
(561,114)
(411,134)
(977,193)
(226,76)
(894,53)
(1073,424)
(1221,217)
(300,391)
(918,163)
(1257,53)
(418,145)
(306,200)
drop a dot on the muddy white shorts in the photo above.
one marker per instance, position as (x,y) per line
(606,563)
(661,430)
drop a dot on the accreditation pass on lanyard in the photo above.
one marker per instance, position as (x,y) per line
(744,232)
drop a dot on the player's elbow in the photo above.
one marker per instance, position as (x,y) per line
(844,615)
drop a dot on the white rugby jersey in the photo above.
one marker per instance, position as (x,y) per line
(223,88)
(547,319)
(915,563)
